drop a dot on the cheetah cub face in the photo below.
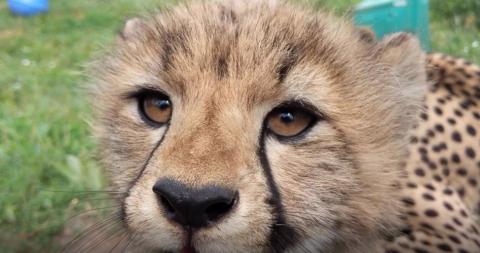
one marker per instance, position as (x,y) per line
(255,128)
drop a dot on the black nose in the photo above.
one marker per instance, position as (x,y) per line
(194,207)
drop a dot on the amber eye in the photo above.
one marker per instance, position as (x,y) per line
(289,121)
(157,108)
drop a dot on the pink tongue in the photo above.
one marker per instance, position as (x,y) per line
(188,249)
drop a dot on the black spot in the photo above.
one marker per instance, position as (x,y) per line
(449,227)
(413,139)
(436,148)
(431,213)
(430,133)
(446,172)
(461,172)
(473,182)
(443,161)
(408,201)
(391,251)
(476,115)
(475,230)
(427,226)
(465,93)
(424,116)
(437,178)
(425,242)
(461,192)
(471,130)
(467,103)
(411,185)
(458,113)
(451,121)
(422,150)
(448,191)
(470,152)
(411,237)
(420,250)
(439,128)
(454,239)
(419,172)
(449,88)
(455,158)
(444,247)
(437,110)
(428,196)
(448,206)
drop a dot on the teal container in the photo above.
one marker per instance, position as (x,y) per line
(389,16)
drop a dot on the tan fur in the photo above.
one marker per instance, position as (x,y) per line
(219,65)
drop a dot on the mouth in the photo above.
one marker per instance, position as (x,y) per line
(188,248)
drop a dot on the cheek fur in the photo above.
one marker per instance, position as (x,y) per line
(314,180)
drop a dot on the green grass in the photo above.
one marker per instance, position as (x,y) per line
(46,151)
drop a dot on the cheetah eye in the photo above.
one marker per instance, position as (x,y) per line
(156,107)
(290,120)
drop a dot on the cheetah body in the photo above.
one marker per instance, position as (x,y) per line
(442,194)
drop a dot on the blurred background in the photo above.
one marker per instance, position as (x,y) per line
(49,176)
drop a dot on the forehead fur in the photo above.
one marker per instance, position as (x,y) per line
(225,42)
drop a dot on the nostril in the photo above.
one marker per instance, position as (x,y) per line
(167,205)
(217,210)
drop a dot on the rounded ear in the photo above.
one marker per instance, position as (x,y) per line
(403,53)
(366,34)
(131,28)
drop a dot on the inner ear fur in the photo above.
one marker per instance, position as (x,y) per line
(402,55)
(402,52)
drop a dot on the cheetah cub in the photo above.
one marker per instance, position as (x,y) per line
(256,127)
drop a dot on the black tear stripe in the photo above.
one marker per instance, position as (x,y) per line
(123,214)
(282,235)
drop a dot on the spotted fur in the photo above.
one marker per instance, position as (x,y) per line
(441,193)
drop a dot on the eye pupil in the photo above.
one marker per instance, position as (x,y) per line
(162,104)
(287,117)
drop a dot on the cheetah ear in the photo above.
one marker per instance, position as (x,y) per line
(366,34)
(131,28)
(403,54)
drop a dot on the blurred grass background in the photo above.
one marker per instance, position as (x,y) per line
(47,156)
